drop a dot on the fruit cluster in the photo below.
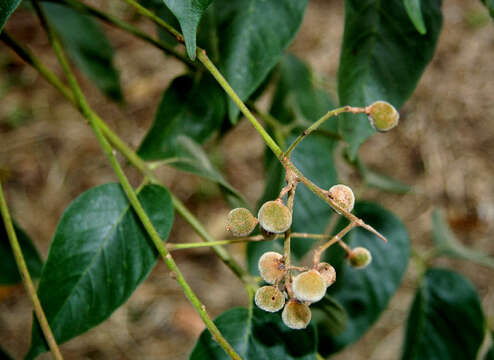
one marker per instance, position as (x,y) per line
(309,285)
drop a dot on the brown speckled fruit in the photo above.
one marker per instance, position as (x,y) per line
(271,267)
(383,116)
(327,272)
(296,315)
(269,298)
(343,196)
(360,257)
(275,217)
(309,286)
(240,222)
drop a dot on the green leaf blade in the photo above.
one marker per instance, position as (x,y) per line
(252,38)
(446,319)
(87,46)
(415,13)
(382,58)
(365,293)
(99,255)
(490,6)
(9,273)
(257,336)
(188,13)
(7,7)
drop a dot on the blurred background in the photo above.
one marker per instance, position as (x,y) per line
(444,147)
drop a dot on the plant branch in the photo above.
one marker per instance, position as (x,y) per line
(315,125)
(128,153)
(129,191)
(114,21)
(337,238)
(26,278)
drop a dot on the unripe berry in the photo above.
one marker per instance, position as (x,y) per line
(240,222)
(267,235)
(296,315)
(309,286)
(269,298)
(383,116)
(271,267)
(343,196)
(275,217)
(327,272)
(360,257)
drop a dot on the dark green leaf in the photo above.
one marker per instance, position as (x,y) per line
(98,257)
(415,13)
(8,267)
(446,320)
(365,293)
(257,336)
(490,6)
(330,316)
(162,11)
(447,244)
(382,58)
(252,37)
(186,108)
(490,353)
(188,13)
(380,181)
(7,7)
(192,158)
(87,45)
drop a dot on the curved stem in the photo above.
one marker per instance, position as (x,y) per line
(129,191)
(26,277)
(337,238)
(128,153)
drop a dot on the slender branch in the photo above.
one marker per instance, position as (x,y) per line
(315,125)
(337,238)
(26,277)
(129,191)
(114,21)
(292,182)
(128,153)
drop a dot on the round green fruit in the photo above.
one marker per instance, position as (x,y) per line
(309,286)
(275,217)
(240,222)
(383,116)
(360,257)
(296,315)
(271,267)
(269,298)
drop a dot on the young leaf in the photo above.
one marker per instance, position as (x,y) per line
(446,319)
(252,37)
(490,6)
(382,58)
(192,158)
(447,244)
(186,108)
(365,293)
(87,45)
(257,335)
(415,13)
(98,257)
(188,13)
(7,7)
(9,274)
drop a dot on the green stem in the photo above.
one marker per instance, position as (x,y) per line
(129,154)
(337,238)
(319,122)
(114,21)
(26,277)
(129,191)
(150,15)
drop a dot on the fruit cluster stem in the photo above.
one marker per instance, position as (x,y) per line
(336,238)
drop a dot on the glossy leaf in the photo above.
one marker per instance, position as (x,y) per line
(257,336)
(330,316)
(447,244)
(192,158)
(446,320)
(184,110)
(188,13)
(365,293)
(490,6)
(8,267)
(253,34)
(415,13)
(7,7)
(90,49)
(98,257)
(382,58)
